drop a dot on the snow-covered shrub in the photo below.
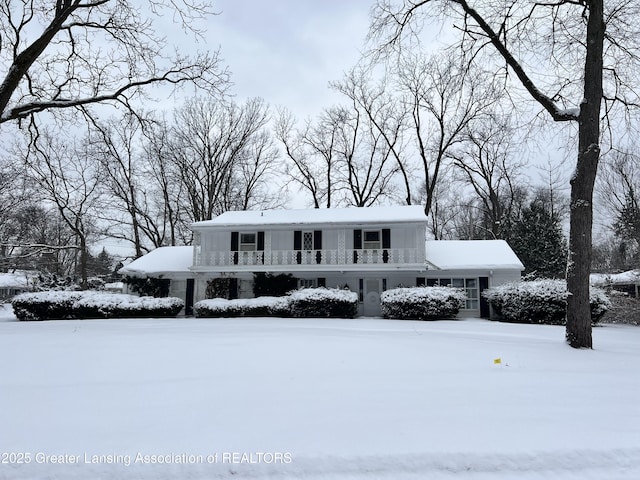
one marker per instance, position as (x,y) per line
(249,307)
(49,305)
(111,305)
(56,305)
(422,303)
(323,302)
(539,301)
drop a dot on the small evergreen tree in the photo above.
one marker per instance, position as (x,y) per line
(536,237)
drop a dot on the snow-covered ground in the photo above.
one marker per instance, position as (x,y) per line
(316,399)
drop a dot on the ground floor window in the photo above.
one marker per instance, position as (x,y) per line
(312,282)
(469,285)
(306,283)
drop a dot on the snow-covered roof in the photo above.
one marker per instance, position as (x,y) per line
(15,280)
(161,261)
(364,215)
(624,278)
(472,254)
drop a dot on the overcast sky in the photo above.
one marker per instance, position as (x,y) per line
(287,51)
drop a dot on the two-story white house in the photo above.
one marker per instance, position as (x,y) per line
(367,250)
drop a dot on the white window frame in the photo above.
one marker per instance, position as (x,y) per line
(472,292)
(307,235)
(307,283)
(371,244)
(245,246)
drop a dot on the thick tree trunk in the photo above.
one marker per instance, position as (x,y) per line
(579,265)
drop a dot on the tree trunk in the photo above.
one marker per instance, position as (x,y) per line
(579,265)
(84,261)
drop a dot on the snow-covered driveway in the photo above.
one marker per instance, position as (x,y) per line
(316,398)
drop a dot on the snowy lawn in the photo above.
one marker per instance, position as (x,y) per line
(316,399)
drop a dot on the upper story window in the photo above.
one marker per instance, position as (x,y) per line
(307,240)
(248,242)
(371,240)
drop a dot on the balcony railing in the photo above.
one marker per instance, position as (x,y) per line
(309,257)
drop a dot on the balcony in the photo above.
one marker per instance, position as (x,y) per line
(310,258)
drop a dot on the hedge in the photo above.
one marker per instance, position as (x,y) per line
(309,302)
(323,302)
(59,305)
(422,303)
(540,301)
(250,307)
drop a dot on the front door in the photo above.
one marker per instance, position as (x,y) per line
(188,304)
(372,290)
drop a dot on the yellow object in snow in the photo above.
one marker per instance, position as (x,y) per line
(497,361)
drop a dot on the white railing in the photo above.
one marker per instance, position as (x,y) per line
(308,257)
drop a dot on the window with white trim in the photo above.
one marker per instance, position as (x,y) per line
(307,240)
(469,285)
(307,283)
(248,242)
(371,240)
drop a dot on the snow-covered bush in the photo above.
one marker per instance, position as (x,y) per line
(249,307)
(56,305)
(323,302)
(49,305)
(539,301)
(111,305)
(422,303)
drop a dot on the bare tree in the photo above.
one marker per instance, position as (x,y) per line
(311,155)
(223,155)
(619,194)
(366,164)
(70,179)
(443,98)
(386,119)
(165,198)
(447,208)
(75,53)
(486,163)
(535,43)
(134,210)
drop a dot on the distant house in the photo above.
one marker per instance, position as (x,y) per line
(367,250)
(12,284)
(627,282)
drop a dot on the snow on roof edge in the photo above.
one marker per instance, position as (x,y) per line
(353,215)
(472,255)
(161,261)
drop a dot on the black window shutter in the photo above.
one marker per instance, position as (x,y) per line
(386,244)
(260,247)
(297,245)
(357,244)
(317,244)
(234,246)
(357,239)
(386,238)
